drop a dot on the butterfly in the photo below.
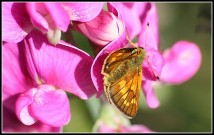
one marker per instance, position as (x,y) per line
(122,71)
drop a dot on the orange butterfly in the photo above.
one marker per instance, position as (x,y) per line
(122,70)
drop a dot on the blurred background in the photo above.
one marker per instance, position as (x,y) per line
(183,108)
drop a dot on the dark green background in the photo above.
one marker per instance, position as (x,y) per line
(183,108)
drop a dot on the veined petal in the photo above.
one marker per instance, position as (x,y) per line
(48,110)
(15,76)
(82,11)
(102,29)
(182,61)
(96,75)
(15,22)
(149,93)
(63,65)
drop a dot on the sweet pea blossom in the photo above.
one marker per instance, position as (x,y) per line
(180,57)
(151,67)
(36,77)
(182,61)
(49,17)
(101,30)
(110,121)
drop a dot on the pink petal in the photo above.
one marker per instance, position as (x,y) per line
(15,76)
(149,93)
(129,16)
(183,60)
(22,107)
(150,16)
(16,23)
(45,16)
(63,65)
(152,65)
(101,30)
(36,17)
(137,129)
(147,39)
(82,11)
(50,111)
(96,68)
(12,124)
(58,15)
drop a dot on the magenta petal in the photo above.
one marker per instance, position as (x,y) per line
(129,16)
(15,78)
(183,60)
(152,65)
(150,16)
(63,65)
(22,107)
(82,11)
(147,39)
(102,29)
(49,110)
(12,124)
(58,15)
(16,23)
(36,16)
(149,93)
(96,75)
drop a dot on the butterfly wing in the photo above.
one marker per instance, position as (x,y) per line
(115,58)
(124,93)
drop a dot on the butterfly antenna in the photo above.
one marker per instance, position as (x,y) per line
(130,42)
(147,28)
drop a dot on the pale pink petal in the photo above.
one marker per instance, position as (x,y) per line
(136,129)
(50,111)
(15,79)
(12,124)
(182,61)
(150,16)
(129,16)
(15,22)
(82,11)
(63,65)
(149,93)
(152,65)
(101,30)
(23,112)
(96,75)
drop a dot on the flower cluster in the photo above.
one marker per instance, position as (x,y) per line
(39,67)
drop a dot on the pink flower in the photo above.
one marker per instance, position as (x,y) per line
(152,65)
(37,73)
(103,29)
(125,129)
(136,15)
(182,61)
(111,121)
(50,18)
(181,57)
